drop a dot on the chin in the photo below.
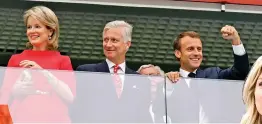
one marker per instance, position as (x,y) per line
(35,42)
(109,57)
(110,54)
(259,109)
(260,112)
(195,66)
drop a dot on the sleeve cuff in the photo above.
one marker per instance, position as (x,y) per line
(239,49)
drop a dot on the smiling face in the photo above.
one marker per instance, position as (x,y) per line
(114,46)
(37,33)
(190,53)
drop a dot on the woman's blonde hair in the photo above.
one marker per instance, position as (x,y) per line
(252,115)
(49,19)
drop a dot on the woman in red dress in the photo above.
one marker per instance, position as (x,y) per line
(36,92)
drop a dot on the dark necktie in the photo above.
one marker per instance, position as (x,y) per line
(192,75)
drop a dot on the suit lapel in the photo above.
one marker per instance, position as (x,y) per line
(108,78)
(129,71)
(102,67)
(200,73)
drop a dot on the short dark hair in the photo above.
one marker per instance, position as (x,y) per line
(192,34)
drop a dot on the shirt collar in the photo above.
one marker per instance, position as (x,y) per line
(185,73)
(111,65)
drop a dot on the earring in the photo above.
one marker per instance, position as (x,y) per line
(49,38)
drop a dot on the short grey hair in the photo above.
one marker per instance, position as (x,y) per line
(162,73)
(127,28)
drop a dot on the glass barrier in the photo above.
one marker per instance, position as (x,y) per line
(48,96)
(97,99)
(205,101)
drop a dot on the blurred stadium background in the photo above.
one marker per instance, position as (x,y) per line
(155,27)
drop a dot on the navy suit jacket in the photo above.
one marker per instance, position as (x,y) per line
(238,71)
(96,100)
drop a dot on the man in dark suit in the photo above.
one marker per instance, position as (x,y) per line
(114,97)
(188,50)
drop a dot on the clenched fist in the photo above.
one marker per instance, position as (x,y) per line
(230,33)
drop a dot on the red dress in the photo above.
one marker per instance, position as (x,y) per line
(39,108)
(5,117)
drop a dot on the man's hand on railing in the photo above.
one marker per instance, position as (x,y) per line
(173,76)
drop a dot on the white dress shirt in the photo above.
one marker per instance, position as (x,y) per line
(239,49)
(184,74)
(120,71)
(202,116)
